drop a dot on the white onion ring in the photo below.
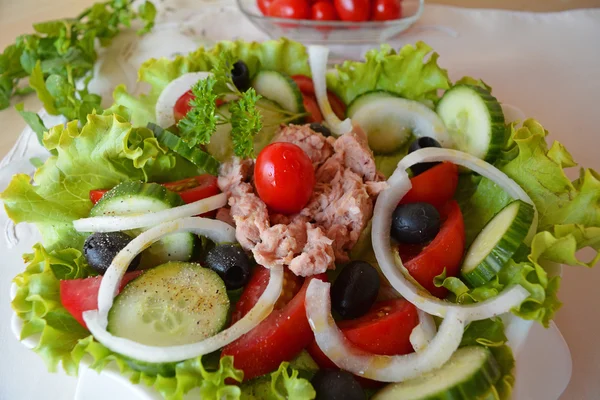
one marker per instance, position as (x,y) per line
(381,368)
(114,223)
(97,320)
(317,58)
(380,236)
(424,332)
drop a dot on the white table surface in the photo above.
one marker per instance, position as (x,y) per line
(546,64)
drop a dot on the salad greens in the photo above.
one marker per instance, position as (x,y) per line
(116,147)
(62,52)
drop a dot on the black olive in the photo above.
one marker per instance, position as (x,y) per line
(240,75)
(322,129)
(355,289)
(100,248)
(331,384)
(231,263)
(415,223)
(418,144)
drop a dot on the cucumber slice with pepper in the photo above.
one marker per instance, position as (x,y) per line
(474,119)
(279,88)
(497,243)
(173,304)
(138,198)
(469,373)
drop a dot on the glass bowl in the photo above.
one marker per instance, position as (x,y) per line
(328,32)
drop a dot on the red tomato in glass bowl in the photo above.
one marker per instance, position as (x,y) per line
(263,6)
(353,10)
(284,177)
(323,11)
(385,10)
(293,9)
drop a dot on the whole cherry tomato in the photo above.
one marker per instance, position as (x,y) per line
(323,11)
(293,9)
(384,10)
(263,5)
(284,177)
(353,10)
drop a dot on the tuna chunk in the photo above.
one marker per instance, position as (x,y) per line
(280,243)
(356,155)
(317,255)
(314,144)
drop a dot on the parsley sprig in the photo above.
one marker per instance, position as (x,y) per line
(63,52)
(202,120)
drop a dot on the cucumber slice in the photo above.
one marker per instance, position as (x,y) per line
(221,147)
(138,198)
(469,373)
(173,304)
(497,243)
(389,121)
(474,119)
(279,88)
(200,159)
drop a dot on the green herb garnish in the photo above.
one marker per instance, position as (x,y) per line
(62,52)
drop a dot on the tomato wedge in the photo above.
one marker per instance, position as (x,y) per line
(280,336)
(435,186)
(385,329)
(79,295)
(445,251)
(182,105)
(312,108)
(190,189)
(307,87)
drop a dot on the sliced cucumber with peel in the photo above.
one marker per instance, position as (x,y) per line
(497,243)
(389,121)
(173,304)
(469,373)
(474,119)
(279,88)
(129,198)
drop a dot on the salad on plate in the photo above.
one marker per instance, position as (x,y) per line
(258,226)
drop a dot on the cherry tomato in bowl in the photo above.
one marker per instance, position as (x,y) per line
(353,10)
(293,9)
(323,11)
(385,10)
(284,177)
(263,6)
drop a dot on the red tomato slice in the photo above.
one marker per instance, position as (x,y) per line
(385,330)
(182,105)
(306,86)
(445,251)
(190,189)
(280,336)
(312,108)
(435,186)
(79,295)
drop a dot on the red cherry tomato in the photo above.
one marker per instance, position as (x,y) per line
(182,105)
(384,10)
(293,9)
(435,186)
(323,11)
(79,295)
(444,252)
(353,10)
(263,6)
(312,108)
(280,336)
(284,177)
(306,86)
(385,330)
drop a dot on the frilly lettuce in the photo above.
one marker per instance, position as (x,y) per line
(282,385)
(280,55)
(107,150)
(407,72)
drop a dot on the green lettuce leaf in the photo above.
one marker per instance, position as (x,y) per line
(404,72)
(103,153)
(490,333)
(283,385)
(281,55)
